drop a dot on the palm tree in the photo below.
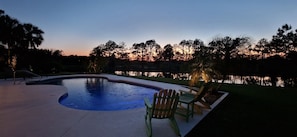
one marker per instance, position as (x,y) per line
(32,36)
(9,34)
(18,36)
(203,69)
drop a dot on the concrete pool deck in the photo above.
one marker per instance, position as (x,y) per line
(34,111)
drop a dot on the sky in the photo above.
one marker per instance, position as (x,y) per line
(78,26)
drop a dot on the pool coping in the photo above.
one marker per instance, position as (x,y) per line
(105,76)
(33,110)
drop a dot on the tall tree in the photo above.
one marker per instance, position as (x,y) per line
(153,49)
(189,45)
(168,53)
(121,52)
(150,44)
(284,41)
(97,62)
(140,50)
(183,43)
(102,57)
(226,48)
(199,48)
(262,48)
(18,36)
(32,36)
(9,34)
(110,47)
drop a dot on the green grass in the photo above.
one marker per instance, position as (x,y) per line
(247,111)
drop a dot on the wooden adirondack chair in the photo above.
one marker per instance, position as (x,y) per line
(196,95)
(163,107)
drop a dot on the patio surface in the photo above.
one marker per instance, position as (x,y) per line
(34,111)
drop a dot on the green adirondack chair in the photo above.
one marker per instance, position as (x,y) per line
(163,107)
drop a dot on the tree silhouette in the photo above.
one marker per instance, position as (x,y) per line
(110,48)
(102,57)
(199,48)
(168,53)
(32,36)
(121,51)
(97,62)
(262,48)
(189,45)
(284,41)
(140,50)
(150,44)
(18,37)
(227,48)
(9,34)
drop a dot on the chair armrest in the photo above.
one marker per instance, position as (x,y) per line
(147,102)
(183,91)
(186,93)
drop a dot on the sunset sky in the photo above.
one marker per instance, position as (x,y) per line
(77,26)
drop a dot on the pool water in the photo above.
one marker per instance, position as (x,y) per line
(101,94)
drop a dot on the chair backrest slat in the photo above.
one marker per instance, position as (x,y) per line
(165,103)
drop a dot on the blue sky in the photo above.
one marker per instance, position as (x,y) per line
(77,26)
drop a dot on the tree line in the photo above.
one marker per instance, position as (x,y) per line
(221,57)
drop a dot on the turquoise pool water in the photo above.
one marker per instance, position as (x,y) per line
(101,94)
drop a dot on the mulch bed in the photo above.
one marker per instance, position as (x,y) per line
(212,97)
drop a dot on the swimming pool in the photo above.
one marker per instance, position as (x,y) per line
(102,94)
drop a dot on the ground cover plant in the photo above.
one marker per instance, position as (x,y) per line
(249,110)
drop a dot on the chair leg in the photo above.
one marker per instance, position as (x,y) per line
(175,126)
(198,109)
(148,123)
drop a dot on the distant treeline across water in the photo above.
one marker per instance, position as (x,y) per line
(232,79)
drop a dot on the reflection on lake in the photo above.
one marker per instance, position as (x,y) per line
(232,79)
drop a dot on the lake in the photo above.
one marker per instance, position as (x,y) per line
(231,79)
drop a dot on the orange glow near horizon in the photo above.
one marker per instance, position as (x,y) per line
(75,53)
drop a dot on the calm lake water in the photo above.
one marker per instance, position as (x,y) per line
(232,79)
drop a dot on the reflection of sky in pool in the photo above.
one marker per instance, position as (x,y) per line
(101,94)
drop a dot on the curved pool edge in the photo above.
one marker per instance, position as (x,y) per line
(109,77)
(37,108)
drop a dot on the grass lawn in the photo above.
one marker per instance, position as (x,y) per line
(249,111)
